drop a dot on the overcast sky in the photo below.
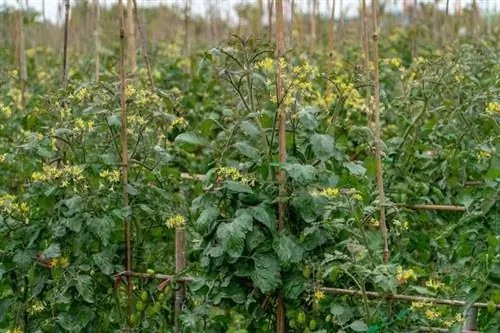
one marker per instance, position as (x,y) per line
(200,6)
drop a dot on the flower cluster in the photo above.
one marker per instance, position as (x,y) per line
(435,285)
(36,307)
(394,62)
(330,192)
(51,173)
(15,330)
(60,262)
(234,175)
(493,107)
(178,123)
(318,295)
(5,110)
(111,176)
(483,155)
(266,64)
(177,221)
(81,125)
(403,275)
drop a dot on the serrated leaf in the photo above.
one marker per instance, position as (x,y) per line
(237,187)
(204,223)
(53,251)
(255,238)
(293,286)
(190,138)
(102,228)
(104,260)
(358,326)
(287,249)
(231,235)
(323,146)
(307,117)
(261,215)
(355,168)
(250,129)
(132,190)
(114,121)
(246,150)
(266,275)
(83,284)
(302,174)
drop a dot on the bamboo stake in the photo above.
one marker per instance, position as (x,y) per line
(312,24)
(187,14)
(123,105)
(331,31)
(97,41)
(65,46)
(180,264)
(366,54)
(280,48)
(144,47)
(414,30)
(44,19)
(378,143)
(132,60)
(23,69)
(270,20)
(407,298)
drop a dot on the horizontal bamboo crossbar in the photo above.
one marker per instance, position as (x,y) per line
(445,208)
(156,276)
(408,298)
(328,290)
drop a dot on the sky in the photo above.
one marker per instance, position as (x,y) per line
(199,7)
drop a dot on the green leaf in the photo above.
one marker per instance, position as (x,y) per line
(104,260)
(261,215)
(246,150)
(190,138)
(2,270)
(355,168)
(266,275)
(307,118)
(53,251)
(237,187)
(293,286)
(24,259)
(114,121)
(231,235)
(255,238)
(74,204)
(102,228)
(287,249)
(132,190)
(83,284)
(423,290)
(204,223)
(302,174)
(358,326)
(323,146)
(249,129)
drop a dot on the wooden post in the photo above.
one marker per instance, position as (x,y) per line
(331,31)
(123,139)
(378,141)
(132,60)
(65,45)
(187,14)
(180,264)
(413,15)
(23,69)
(280,49)
(97,40)
(144,46)
(366,55)
(270,20)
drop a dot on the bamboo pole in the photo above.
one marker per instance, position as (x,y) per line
(65,45)
(413,14)
(187,14)
(280,49)
(378,141)
(144,47)
(97,40)
(366,54)
(270,20)
(23,69)
(180,264)
(312,25)
(331,31)
(132,60)
(407,298)
(123,139)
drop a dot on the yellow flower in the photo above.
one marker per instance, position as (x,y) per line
(459,318)
(357,197)
(60,262)
(394,62)
(418,305)
(483,155)
(404,275)
(79,125)
(431,314)
(319,295)
(130,91)
(15,330)
(433,284)
(330,192)
(374,222)
(111,176)
(265,64)
(493,107)
(177,221)
(5,110)
(2,157)
(447,323)
(82,94)
(234,175)
(36,307)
